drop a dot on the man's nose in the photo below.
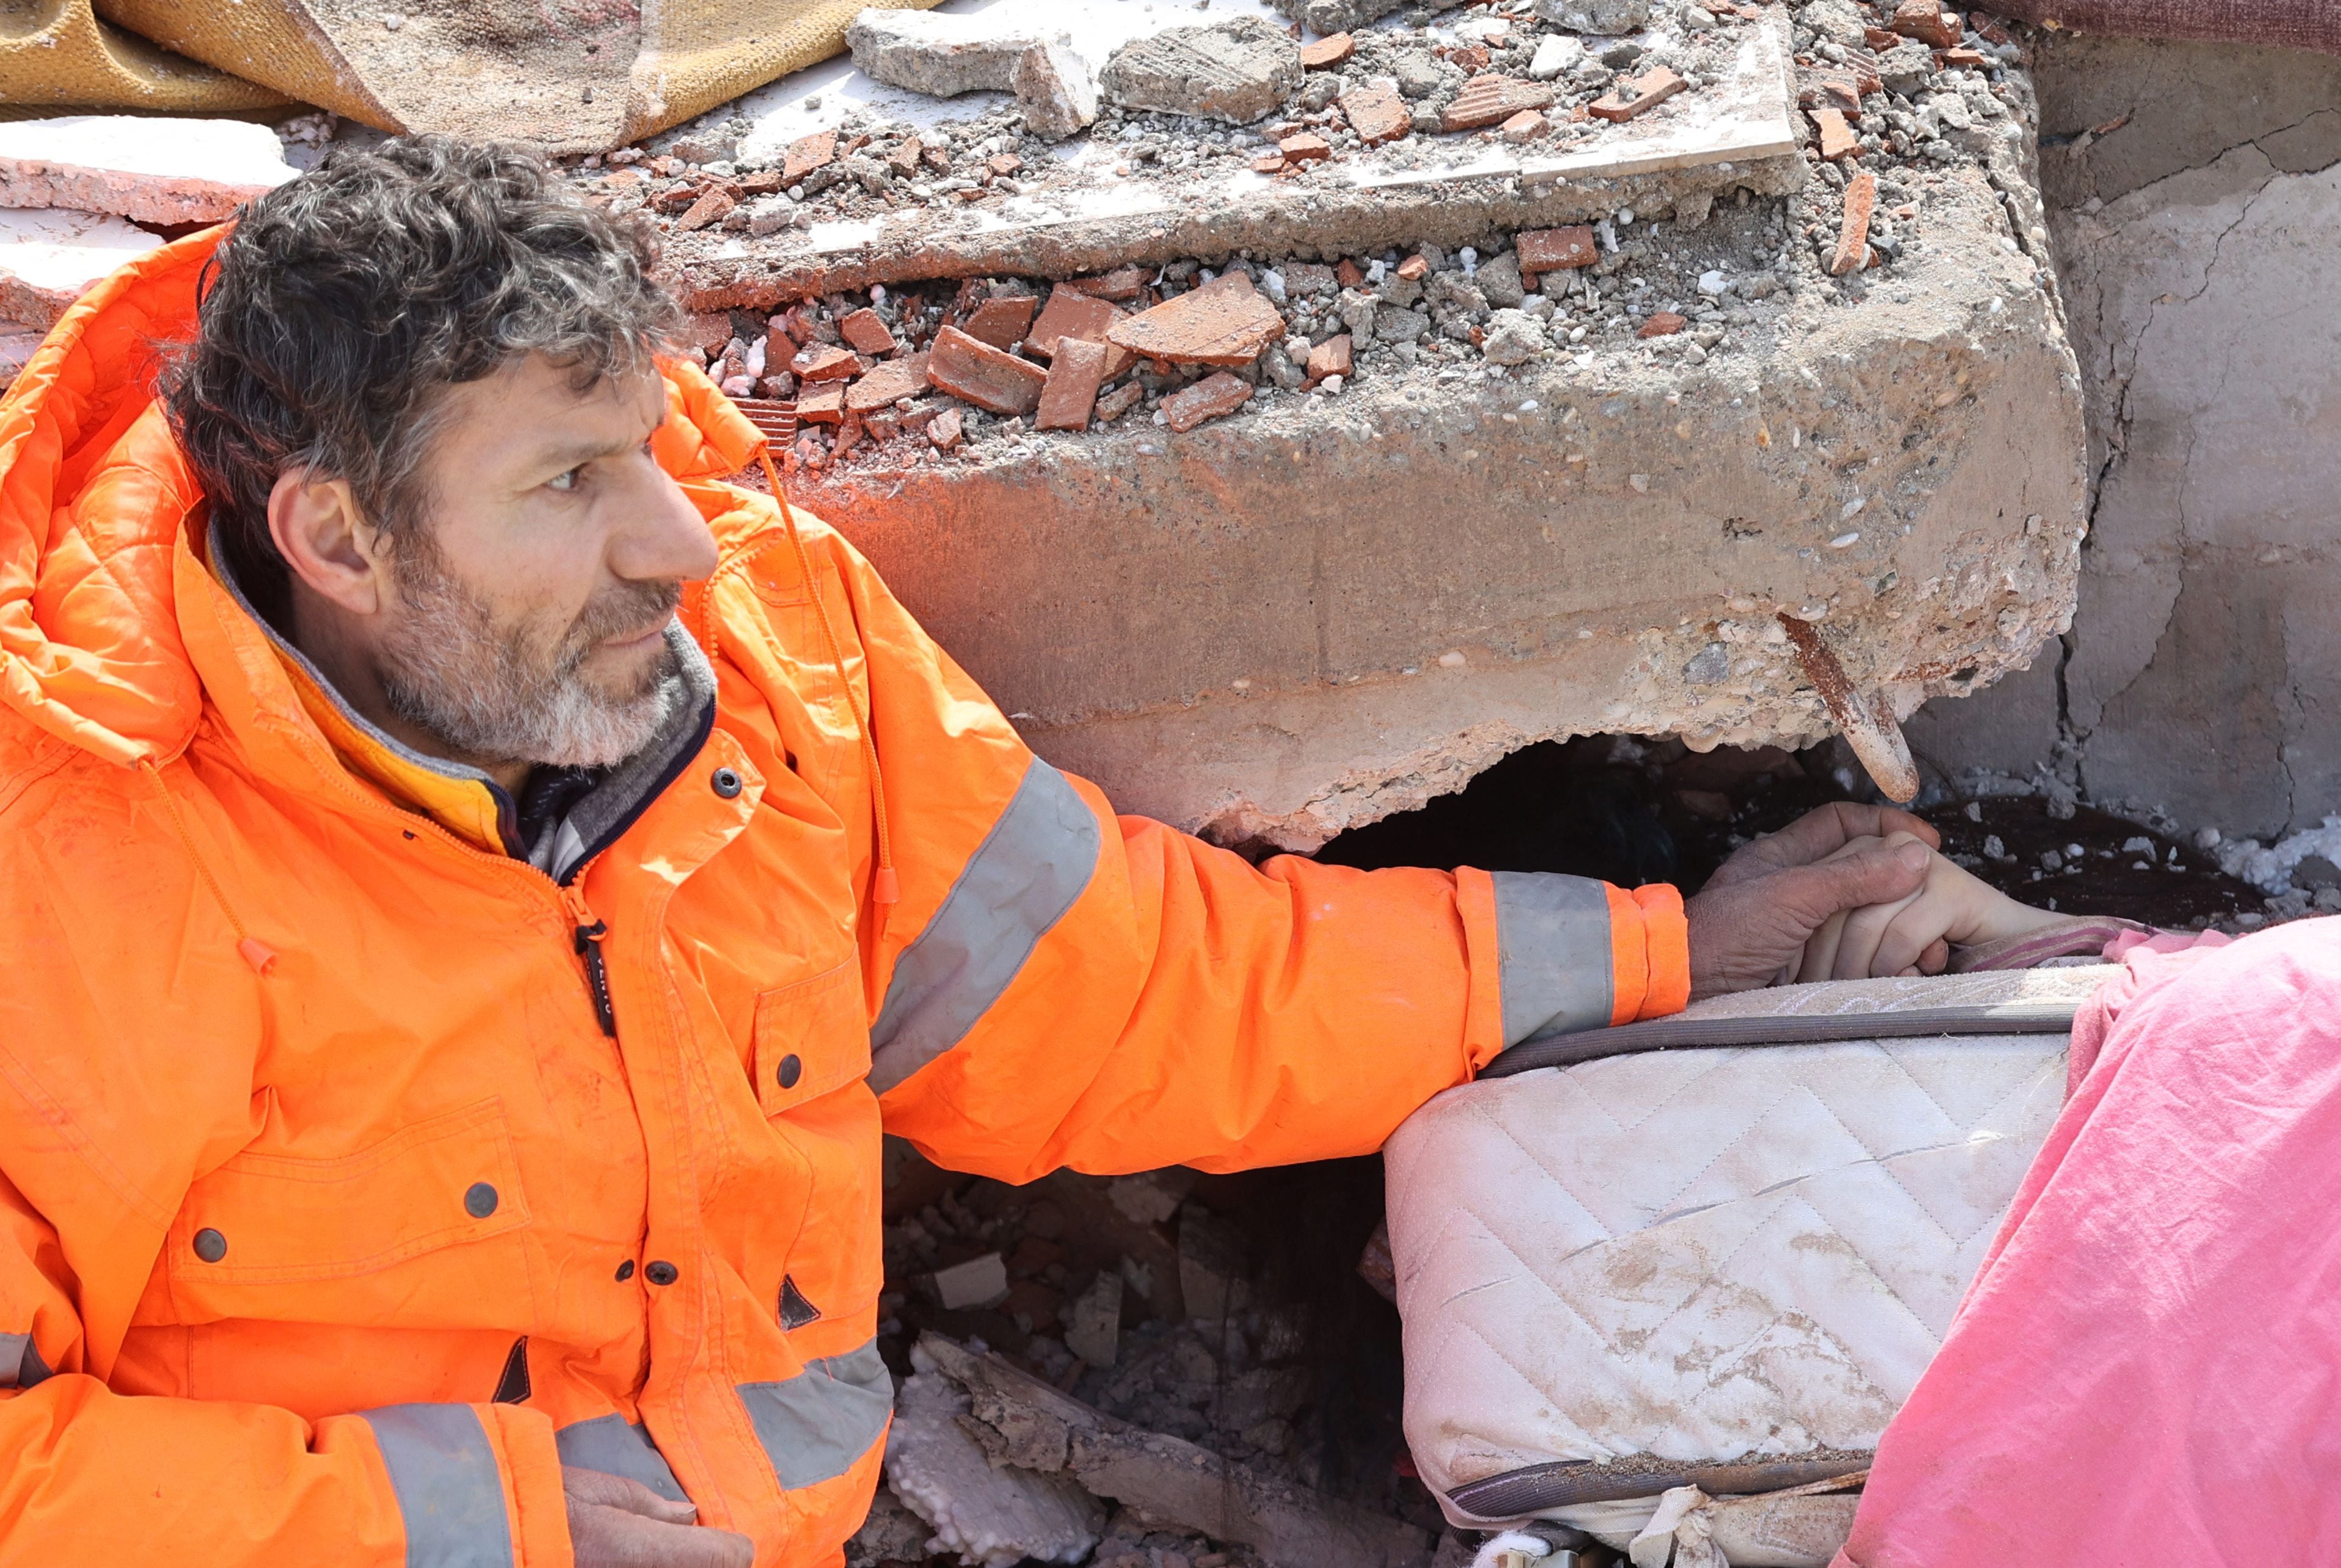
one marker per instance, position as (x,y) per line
(663,535)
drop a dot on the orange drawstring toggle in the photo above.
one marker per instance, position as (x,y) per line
(258,954)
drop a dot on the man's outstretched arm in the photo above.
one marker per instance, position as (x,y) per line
(1060,985)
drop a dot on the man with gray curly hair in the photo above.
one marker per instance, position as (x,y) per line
(478,885)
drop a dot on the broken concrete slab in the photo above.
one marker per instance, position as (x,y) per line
(992,1516)
(1018,1419)
(149,170)
(1335,16)
(1238,71)
(1738,132)
(48,259)
(945,54)
(1437,571)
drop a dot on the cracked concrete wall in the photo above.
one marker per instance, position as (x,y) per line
(2203,671)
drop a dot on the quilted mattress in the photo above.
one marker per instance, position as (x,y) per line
(1670,1261)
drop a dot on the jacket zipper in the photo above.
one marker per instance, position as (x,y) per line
(587,934)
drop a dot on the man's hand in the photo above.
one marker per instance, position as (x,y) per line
(1751,921)
(614,1522)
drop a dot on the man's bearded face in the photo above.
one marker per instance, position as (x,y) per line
(523,690)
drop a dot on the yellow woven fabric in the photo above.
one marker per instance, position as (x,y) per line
(57,53)
(598,76)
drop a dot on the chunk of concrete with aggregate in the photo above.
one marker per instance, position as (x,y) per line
(944,56)
(992,1516)
(50,258)
(149,170)
(1237,71)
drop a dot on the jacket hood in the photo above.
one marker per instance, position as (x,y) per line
(100,583)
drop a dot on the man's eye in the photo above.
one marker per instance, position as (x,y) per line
(565,481)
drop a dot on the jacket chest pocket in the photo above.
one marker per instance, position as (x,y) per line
(810,1038)
(422,1228)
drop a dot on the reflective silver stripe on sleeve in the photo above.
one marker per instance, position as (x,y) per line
(1036,861)
(449,1490)
(13,1347)
(814,1425)
(1552,941)
(615,1446)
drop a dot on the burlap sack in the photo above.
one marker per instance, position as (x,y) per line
(2295,23)
(54,54)
(571,75)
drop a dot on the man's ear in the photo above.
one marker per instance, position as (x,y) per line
(328,543)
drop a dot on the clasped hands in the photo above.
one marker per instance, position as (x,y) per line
(1843,892)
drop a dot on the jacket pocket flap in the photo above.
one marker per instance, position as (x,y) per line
(812,1037)
(275,1218)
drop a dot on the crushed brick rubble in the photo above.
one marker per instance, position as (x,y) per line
(1132,1307)
(1891,115)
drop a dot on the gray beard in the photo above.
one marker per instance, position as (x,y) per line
(495,694)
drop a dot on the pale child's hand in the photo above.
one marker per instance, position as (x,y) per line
(1914,935)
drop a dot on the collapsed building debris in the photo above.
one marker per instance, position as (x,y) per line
(1022,1422)
(74,190)
(1516,431)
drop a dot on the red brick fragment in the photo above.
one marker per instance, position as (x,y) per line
(1524,127)
(708,329)
(1119,402)
(1206,399)
(664,166)
(1349,273)
(1268,163)
(1003,163)
(1638,96)
(1837,140)
(1123,283)
(1072,314)
(1225,322)
(1853,239)
(822,405)
(1491,100)
(807,153)
(1663,324)
(866,331)
(1880,38)
(1414,268)
(1926,22)
(1556,250)
(944,429)
(1971,59)
(677,198)
(1471,57)
(974,372)
(1000,322)
(1333,49)
(761,182)
(823,362)
(904,160)
(849,434)
(1305,148)
(1378,113)
(892,380)
(1070,392)
(1331,358)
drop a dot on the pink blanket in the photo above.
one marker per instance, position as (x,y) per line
(2147,1368)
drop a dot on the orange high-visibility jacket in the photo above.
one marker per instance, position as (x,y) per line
(333,1221)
